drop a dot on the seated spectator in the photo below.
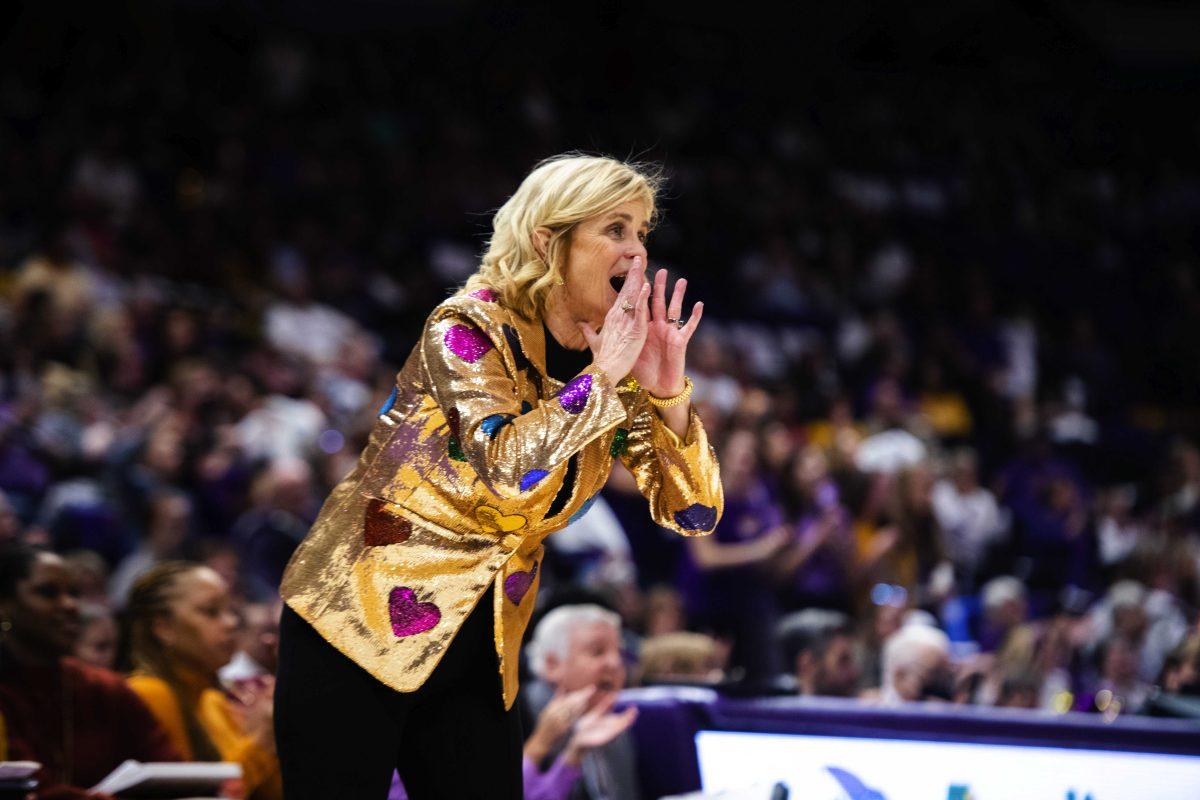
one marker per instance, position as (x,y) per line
(1119,688)
(916,665)
(1004,610)
(579,647)
(169,513)
(1181,671)
(819,646)
(80,722)
(572,724)
(97,643)
(664,611)
(258,645)
(181,632)
(688,658)
(1019,690)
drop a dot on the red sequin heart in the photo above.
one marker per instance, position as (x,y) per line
(382,527)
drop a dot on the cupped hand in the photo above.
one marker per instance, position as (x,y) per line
(659,367)
(557,719)
(616,347)
(598,727)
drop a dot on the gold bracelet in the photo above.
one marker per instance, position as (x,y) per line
(667,402)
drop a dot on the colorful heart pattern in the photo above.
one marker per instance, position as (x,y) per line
(468,342)
(574,396)
(696,517)
(492,425)
(381,527)
(391,401)
(620,442)
(409,616)
(493,521)
(531,478)
(517,584)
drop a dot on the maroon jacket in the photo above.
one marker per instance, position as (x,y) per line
(108,722)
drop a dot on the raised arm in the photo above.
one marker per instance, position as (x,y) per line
(666,448)
(510,447)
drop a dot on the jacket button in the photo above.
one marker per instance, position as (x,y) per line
(511,541)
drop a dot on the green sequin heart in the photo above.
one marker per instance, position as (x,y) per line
(455,449)
(620,442)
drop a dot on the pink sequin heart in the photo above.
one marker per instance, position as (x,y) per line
(468,342)
(517,584)
(486,295)
(408,616)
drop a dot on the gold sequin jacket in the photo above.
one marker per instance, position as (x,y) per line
(476,457)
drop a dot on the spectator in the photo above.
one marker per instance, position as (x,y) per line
(53,704)
(258,645)
(97,643)
(967,514)
(689,658)
(578,647)
(916,665)
(572,724)
(1004,610)
(819,646)
(729,592)
(181,632)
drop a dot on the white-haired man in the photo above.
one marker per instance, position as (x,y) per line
(916,665)
(576,651)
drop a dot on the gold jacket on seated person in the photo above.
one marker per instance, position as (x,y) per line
(476,457)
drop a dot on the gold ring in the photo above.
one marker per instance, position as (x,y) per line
(627,306)
(672,320)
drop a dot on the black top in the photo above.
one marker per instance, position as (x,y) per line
(563,364)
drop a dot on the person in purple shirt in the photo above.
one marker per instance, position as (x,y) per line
(727,579)
(817,564)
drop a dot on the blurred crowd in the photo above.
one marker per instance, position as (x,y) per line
(948,361)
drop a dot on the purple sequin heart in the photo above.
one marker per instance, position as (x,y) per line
(409,616)
(486,295)
(517,584)
(574,395)
(468,342)
(696,517)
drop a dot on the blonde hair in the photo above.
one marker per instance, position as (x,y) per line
(558,194)
(680,656)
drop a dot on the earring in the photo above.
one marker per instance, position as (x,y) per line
(5,626)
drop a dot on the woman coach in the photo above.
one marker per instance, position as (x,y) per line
(407,601)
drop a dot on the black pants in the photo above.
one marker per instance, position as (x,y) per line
(340,732)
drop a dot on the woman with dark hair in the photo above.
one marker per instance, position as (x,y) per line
(80,722)
(181,631)
(407,602)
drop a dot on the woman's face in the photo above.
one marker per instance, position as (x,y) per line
(602,251)
(44,609)
(97,644)
(201,626)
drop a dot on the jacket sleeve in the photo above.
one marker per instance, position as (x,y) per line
(511,448)
(680,478)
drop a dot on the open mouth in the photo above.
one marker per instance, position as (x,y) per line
(616,282)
